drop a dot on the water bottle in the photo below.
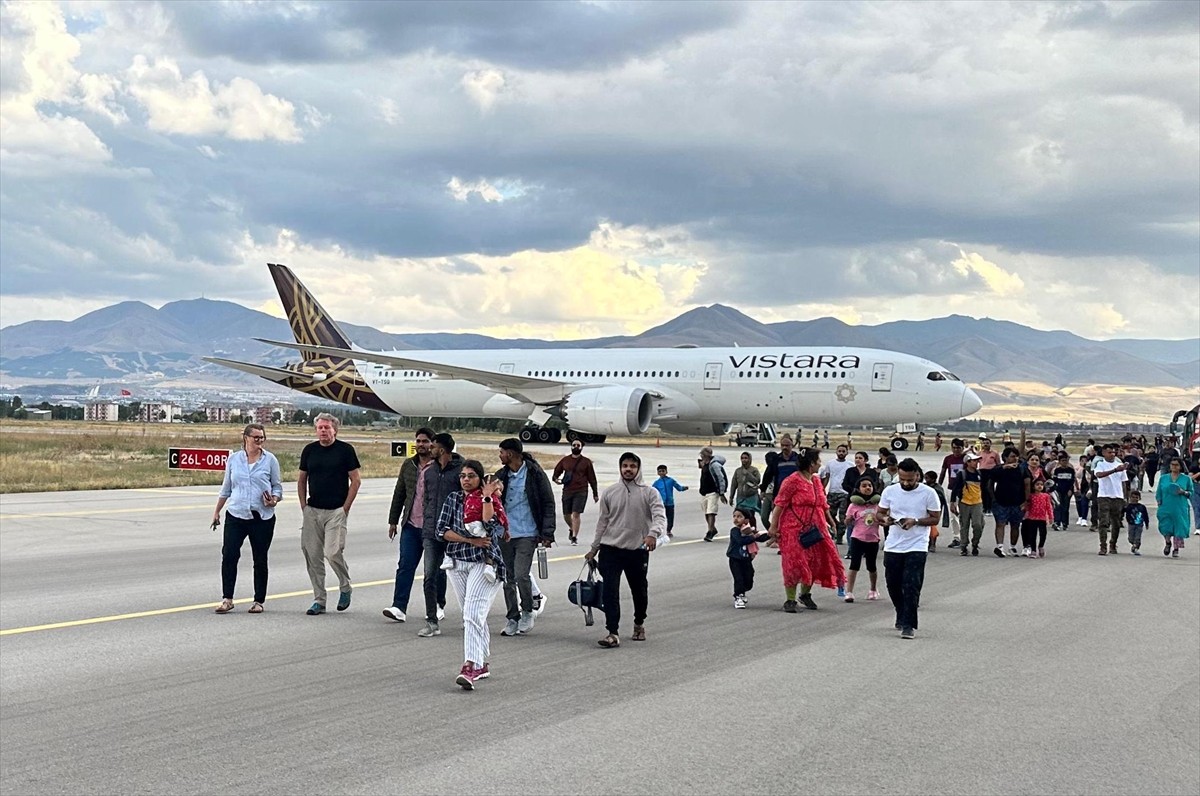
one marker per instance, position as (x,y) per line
(543,562)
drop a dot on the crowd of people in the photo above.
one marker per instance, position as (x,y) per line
(480,532)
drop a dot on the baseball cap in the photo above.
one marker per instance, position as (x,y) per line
(971,457)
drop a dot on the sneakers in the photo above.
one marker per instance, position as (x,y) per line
(1167,549)
(441,613)
(489,573)
(1103,551)
(539,604)
(1135,551)
(1081,521)
(1041,552)
(848,596)
(908,632)
(790,607)
(964,552)
(1174,554)
(1026,553)
(841,591)
(525,623)
(1112,548)
(314,609)
(974,549)
(739,601)
(510,628)
(708,537)
(395,613)
(807,601)
(872,595)
(467,677)
(954,543)
(430,630)
(483,673)
(999,551)
(1012,552)
(343,601)
(573,540)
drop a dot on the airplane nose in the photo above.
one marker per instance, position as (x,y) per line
(970,402)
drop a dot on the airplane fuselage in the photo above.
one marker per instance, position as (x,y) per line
(790,385)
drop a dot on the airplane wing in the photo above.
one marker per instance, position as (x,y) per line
(508,383)
(277,375)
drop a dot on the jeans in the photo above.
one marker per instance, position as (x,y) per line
(518,559)
(904,574)
(1082,504)
(670,517)
(406,566)
(615,561)
(1062,511)
(260,532)
(434,584)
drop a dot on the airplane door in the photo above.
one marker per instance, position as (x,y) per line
(881,377)
(507,367)
(712,376)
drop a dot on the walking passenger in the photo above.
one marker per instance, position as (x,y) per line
(408,503)
(528,501)
(1173,493)
(441,480)
(800,526)
(576,474)
(863,526)
(713,483)
(1038,514)
(1063,479)
(1011,488)
(743,489)
(249,493)
(966,503)
(631,525)
(1137,519)
(1112,491)
(327,485)
(832,474)
(910,508)
(471,555)
(667,487)
(743,547)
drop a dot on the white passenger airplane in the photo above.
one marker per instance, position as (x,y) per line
(595,392)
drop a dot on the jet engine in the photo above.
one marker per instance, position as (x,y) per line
(608,410)
(696,429)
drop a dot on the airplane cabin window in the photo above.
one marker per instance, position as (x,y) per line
(934,375)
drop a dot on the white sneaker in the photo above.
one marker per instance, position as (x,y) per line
(525,623)
(1012,551)
(441,612)
(1025,553)
(739,601)
(395,613)
(1082,522)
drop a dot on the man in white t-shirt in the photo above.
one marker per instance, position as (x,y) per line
(832,473)
(908,509)
(1112,490)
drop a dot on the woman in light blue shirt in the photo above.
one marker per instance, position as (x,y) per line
(249,494)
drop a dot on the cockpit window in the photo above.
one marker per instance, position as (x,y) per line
(950,376)
(935,375)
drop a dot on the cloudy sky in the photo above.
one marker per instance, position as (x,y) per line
(568,169)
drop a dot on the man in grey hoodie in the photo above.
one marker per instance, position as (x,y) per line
(713,485)
(632,523)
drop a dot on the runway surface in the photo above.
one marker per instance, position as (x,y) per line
(1072,674)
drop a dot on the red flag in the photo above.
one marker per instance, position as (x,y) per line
(125,393)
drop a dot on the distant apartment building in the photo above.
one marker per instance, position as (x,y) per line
(102,412)
(217,414)
(268,414)
(159,413)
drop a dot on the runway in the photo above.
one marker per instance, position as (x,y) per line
(1072,674)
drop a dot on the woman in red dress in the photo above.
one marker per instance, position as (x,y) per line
(799,506)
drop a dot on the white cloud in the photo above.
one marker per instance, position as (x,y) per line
(208,152)
(192,106)
(484,86)
(462,190)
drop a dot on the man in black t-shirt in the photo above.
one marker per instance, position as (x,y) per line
(327,484)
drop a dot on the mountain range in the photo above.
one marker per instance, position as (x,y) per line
(132,339)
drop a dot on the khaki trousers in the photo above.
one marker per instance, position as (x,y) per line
(323,536)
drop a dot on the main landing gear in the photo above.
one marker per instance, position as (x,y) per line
(550,436)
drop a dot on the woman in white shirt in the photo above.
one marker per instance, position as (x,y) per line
(249,494)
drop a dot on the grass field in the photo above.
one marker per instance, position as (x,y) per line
(61,456)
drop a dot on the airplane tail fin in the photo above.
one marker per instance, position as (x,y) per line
(309,321)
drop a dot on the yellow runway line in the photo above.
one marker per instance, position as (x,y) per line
(245,601)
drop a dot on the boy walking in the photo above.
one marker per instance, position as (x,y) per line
(667,487)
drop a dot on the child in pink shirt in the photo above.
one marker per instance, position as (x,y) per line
(1038,515)
(864,534)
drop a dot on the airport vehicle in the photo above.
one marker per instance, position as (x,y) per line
(747,435)
(1188,435)
(596,392)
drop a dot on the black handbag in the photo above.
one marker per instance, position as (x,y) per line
(587,592)
(809,537)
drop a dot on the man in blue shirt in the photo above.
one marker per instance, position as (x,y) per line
(529,504)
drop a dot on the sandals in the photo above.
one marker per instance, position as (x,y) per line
(255,608)
(225,607)
(639,633)
(610,641)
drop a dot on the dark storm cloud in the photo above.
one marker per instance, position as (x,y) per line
(542,34)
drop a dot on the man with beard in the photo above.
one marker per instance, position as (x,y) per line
(408,501)
(832,474)
(632,523)
(910,509)
(576,474)
(529,503)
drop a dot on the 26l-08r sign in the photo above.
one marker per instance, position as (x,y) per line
(196,459)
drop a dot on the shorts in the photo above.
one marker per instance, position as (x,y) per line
(1007,515)
(574,502)
(710,502)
